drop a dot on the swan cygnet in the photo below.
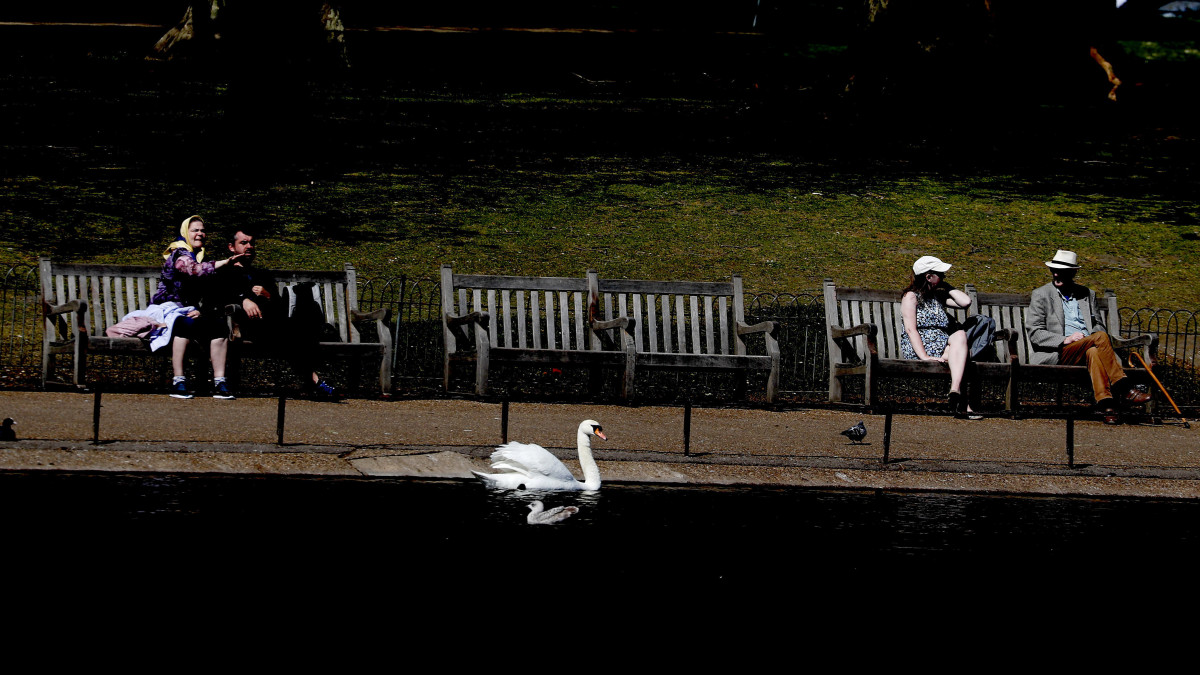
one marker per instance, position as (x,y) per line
(525,466)
(557,514)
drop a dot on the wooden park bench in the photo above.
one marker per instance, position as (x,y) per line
(864,328)
(600,323)
(1011,312)
(80,301)
(511,320)
(694,326)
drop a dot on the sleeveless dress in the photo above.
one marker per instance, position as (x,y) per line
(932,323)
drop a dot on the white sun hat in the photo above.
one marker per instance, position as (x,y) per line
(1064,260)
(928,263)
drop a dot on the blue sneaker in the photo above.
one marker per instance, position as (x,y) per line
(222,392)
(180,390)
(323,391)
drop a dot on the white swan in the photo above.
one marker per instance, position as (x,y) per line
(532,467)
(539,517)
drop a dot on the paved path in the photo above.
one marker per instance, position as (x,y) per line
(448,438)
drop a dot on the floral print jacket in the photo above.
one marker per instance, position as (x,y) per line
(181,279)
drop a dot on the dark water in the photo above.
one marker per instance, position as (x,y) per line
(426,535)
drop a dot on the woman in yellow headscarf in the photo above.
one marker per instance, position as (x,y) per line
(184,276)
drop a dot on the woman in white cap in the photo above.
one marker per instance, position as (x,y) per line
(927,330)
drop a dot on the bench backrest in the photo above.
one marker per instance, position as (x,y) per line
(112,291)
(526,312)
(676,317)
(846,307)
(1011,310)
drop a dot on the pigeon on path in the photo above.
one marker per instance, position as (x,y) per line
(856,433)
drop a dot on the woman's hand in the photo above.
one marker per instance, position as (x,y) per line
(194,314)
(233,259)
(939,359)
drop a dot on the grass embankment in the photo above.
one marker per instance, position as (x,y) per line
(784,225)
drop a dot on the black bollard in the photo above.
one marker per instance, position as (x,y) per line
(96,418)
(687,427)
(887,436)
(503,421)
(279,419)
(1070,442)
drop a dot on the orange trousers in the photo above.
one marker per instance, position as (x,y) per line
(1102,362)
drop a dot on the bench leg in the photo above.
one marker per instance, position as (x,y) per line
(79,376)
(1010,395)
(47,364)
(385,373)
(481,375)
(627,392)
(868,387)
(835,388)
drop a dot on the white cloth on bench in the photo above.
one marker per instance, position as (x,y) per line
(164,315)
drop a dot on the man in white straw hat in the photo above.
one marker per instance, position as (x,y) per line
(1065,328)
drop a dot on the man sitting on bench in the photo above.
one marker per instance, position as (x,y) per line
(263,316)
(1065,328)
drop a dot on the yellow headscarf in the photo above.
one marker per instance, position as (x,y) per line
(182,240)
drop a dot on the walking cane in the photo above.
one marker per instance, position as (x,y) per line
(1160,386)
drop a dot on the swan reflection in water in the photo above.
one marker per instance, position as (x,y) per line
(538,516)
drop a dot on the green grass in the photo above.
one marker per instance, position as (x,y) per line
(783,225)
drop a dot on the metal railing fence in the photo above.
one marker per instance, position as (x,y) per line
(415,305)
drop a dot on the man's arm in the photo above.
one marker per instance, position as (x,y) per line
(1038,324)
(1098,325)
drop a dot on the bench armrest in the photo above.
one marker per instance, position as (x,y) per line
(769,327)
(1148,342)
(377,315)
(76,306)
(55,315)
(455,321)
(624,322)
(770,331)
(841,337)
(1007,352)
(456,324)
(623,341)
(837,332)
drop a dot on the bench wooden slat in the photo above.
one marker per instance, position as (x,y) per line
(680,325)
(710,339)
(638,340)
(723,317)
(564,325)
(580,338)
(522,336)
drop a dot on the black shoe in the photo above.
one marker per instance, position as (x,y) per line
(180,390)
(958,402)
(222,392)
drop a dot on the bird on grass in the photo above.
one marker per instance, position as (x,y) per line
(6,431)
(557,514)
(856,433)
